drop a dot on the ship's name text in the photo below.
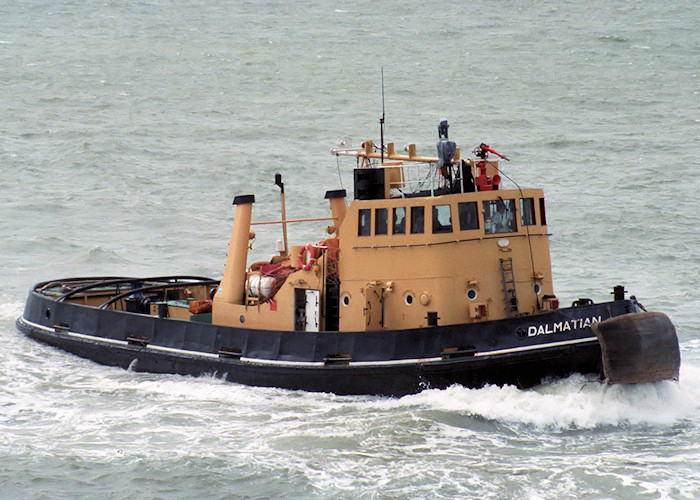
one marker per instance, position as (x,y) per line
(561,326)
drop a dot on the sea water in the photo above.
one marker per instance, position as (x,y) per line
(126,128)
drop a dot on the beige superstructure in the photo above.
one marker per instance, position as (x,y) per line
(399,259)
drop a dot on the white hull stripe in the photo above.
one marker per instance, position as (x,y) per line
(538,346)
(261,361)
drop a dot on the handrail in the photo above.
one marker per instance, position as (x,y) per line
(44,285)
(390,154)
(291,220)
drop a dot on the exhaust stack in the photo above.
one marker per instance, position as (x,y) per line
(232,287)
(338,206)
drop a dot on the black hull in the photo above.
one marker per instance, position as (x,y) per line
(520,351)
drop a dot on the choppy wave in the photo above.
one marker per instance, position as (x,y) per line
(577,402)
(127,128)
(439,443)
(10,308)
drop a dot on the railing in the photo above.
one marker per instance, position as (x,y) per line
(161,287)
(72,287)
(414,177)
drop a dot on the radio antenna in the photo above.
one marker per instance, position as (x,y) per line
(381,120)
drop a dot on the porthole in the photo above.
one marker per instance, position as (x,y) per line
(242,319)
(537,288)
(48,314)
(345,299)
(471,294)
(408,298)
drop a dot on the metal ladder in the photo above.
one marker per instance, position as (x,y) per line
(332,299)
(509,294)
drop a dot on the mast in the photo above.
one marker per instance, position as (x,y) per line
(381,120)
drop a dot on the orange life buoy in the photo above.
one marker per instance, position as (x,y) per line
(306,262)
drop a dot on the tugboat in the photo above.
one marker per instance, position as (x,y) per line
(432,275)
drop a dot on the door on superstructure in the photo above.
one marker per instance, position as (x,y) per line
(307,308)
(374,307)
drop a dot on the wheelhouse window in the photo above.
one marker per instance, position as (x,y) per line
(364,222)
(527,211)
(442,219)
(380,221)
(499,216)
(399,221)
(417,220)
(543,217)
(468,218)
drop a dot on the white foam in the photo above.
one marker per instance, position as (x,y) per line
(575,402)
(10,309)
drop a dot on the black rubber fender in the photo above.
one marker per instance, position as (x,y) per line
(638,348)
